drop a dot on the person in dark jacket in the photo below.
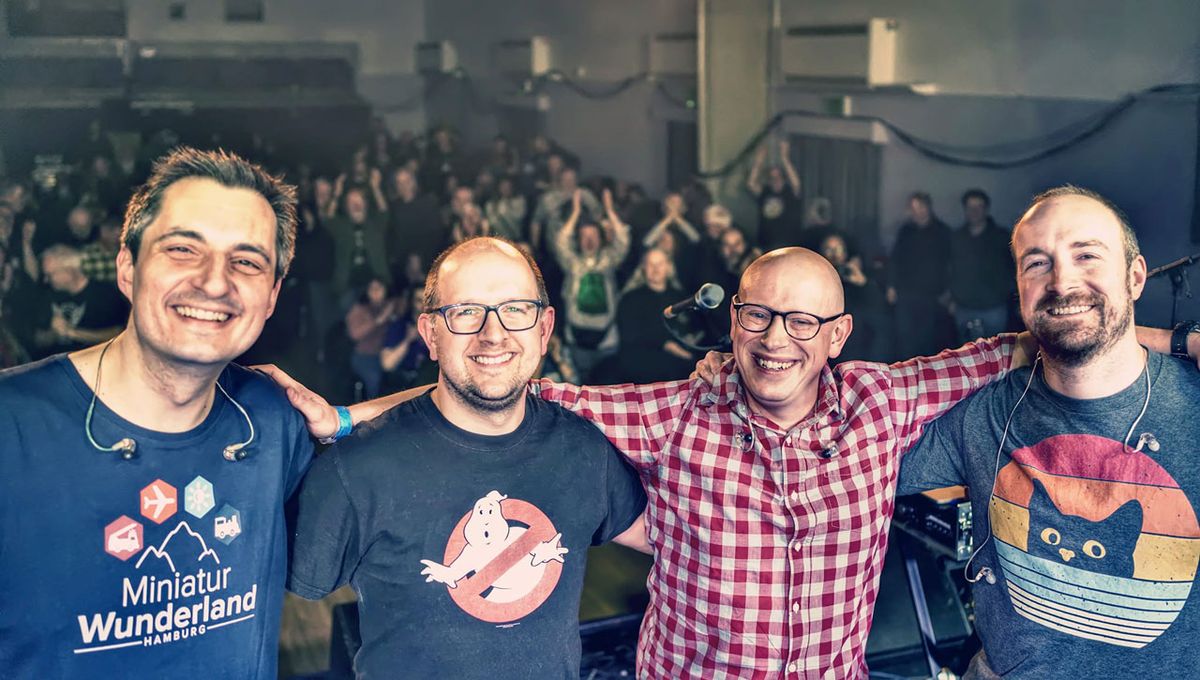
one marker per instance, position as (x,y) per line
(917,278)
(981,271)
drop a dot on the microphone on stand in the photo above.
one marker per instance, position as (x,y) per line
(709,296)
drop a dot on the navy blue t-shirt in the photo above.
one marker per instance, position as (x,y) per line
(467,551)
(1093,544)
(168,565)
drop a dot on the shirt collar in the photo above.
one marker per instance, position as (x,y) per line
(729,393)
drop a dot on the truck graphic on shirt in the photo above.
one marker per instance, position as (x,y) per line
(226,527)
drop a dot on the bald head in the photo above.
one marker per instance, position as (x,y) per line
(804,276)
(480,251)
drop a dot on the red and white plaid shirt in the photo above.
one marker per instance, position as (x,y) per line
(769,544)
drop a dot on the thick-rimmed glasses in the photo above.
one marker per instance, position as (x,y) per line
(468,318)
(799,325)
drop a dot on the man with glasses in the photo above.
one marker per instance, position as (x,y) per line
(462,518)
(770,491)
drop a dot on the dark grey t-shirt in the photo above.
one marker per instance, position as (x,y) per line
(467,551)
(1094,546)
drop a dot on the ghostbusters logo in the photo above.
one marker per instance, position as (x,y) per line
(502,560)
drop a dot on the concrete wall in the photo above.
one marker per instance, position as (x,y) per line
(594,42)
(1016,70)
(385,31)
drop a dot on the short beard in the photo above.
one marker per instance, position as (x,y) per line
(1056,346)
(468,393)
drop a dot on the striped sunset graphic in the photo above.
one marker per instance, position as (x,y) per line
(1091,477)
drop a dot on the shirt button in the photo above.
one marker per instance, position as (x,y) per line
(796,607)
(796,546)
(788,441)
(795,495)
(792,667)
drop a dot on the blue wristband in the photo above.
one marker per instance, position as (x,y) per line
(345,423)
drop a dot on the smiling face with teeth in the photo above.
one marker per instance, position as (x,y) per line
(1076,280)
(203,283)
(484,374)
(781,375)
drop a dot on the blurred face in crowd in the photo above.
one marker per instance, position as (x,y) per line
(62,275)
(376,293)
(486,371)
(443,140)
(414,270)
(500,146)
(203,283)
(541,144)
(667,242)
(505,187)
(460,199)
(484,182)
(356,206)
(79,221)
(472,220)
(775,179)
(6,224)
(833,248)
(100,166)
(415,300)
(110,234)
(656,267)
(733,247)
(554,166)
(780,373)
(716,221)
(322,191)
(405,183)
(568,180)
(361,171)
(1076,290)
(673,203)
(975,210)
(918,211)
(589,240)
(16,197)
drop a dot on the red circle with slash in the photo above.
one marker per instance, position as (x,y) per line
(467,594)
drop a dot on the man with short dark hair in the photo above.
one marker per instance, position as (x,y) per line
(141,507)
(1081,469)
(462,518)
(981,265)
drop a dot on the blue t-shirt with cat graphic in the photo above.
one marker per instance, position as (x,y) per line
(1094,544)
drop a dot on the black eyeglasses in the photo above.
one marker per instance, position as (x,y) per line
(799,325)
(468,318)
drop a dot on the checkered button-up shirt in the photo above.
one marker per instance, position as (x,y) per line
(768,543)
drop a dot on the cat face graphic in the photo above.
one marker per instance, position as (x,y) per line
(1105,547)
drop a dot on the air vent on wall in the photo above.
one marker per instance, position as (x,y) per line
(436,57)
(842,54)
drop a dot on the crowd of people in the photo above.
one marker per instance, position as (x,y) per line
(613,257)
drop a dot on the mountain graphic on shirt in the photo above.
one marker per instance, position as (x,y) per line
(180,550)
(1096,540)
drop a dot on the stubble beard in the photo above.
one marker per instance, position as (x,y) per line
(1073,347)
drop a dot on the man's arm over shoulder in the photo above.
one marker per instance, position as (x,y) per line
(323,531)
(637,419)
(926,387)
